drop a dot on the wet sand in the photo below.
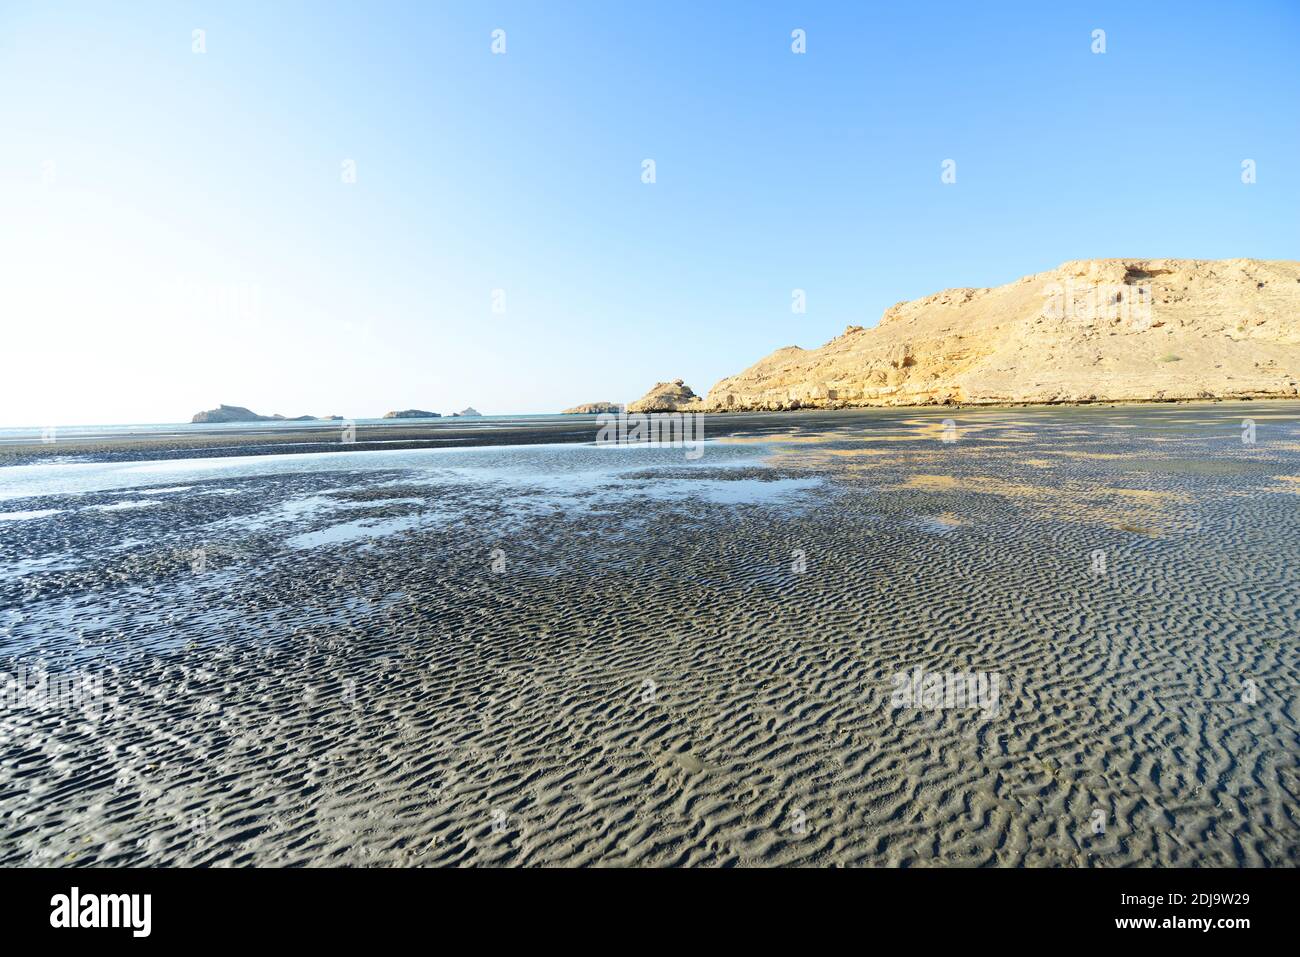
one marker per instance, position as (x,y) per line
(148,443)
(562,654)
(89,444)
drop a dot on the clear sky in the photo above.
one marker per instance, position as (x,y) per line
(176,229)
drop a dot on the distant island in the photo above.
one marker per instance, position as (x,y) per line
(237,413)
(1092,330)
(593,408)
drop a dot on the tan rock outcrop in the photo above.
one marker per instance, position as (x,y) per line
(675,396)
(1091,330)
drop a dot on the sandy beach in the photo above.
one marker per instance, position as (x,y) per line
(569,654)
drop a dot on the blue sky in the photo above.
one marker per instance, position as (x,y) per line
(175,230)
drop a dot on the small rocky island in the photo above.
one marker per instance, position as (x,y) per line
(468,410)
(237,413)
(412,414)
(593,408)
(675,396)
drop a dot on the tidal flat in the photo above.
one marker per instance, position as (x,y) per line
(568,654)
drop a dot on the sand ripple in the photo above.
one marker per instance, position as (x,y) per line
(649,679)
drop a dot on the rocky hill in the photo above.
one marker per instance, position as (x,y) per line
(1091,330)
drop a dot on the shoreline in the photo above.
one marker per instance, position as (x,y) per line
(998,404)
(571,429)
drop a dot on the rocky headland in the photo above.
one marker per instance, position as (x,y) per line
(1096,330)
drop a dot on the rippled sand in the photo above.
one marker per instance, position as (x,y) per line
(575,655)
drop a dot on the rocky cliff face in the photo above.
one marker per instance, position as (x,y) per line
(1091,330)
